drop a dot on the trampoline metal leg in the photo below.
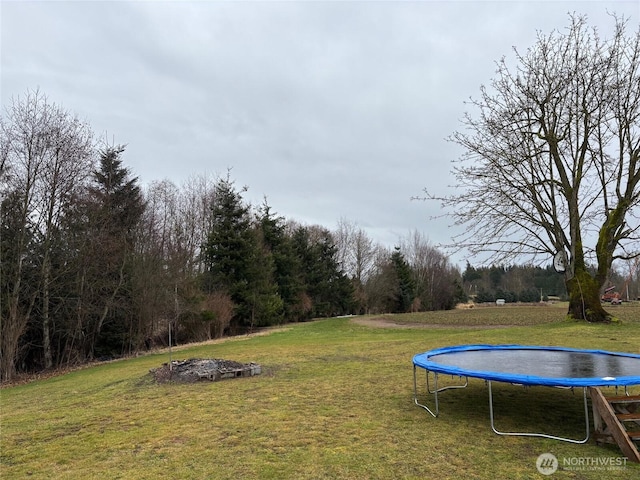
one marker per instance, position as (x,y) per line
(450,387)
(544,435)
(435,392)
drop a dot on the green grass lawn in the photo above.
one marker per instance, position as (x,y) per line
(335,400)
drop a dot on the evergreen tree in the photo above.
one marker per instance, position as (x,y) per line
(236,262)
(406,290)
(287,265)
(330,290)
(114,208)
(470,274)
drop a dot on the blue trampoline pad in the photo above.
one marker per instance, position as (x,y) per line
(534,365)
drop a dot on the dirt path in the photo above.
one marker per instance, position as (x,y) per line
(382,322)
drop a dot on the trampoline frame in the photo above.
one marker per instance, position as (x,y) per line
(435,391)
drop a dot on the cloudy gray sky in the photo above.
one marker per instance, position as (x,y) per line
(331,110)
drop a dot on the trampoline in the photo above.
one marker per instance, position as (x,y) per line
(527,365)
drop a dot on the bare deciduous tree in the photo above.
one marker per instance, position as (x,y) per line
(154,273)
(433,274)
(356,250)
(46,155)
(552,159)
(357,254)
(173,229)
(67,166)
(196,200)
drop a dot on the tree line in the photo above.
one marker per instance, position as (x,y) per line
(514,283)
(530,283)
(96,265)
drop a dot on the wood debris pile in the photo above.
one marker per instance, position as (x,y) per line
(198,369)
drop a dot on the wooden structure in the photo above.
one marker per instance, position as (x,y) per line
(617,420)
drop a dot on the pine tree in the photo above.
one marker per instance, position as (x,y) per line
(287,265)
(406,291)
(329,289)
(114,208)
(236,262)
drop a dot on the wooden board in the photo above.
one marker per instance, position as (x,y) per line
(607,423)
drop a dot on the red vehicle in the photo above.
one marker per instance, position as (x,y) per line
(610,295)
(614,297)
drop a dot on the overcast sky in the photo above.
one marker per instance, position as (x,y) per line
(329,109)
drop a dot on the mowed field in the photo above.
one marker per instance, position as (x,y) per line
(334,401)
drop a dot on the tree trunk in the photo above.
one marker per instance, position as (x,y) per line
(46,319)
(105,310)
(13,327)
(78,332)
(46,294)
(584,298)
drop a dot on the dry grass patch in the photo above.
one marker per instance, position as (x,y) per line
(487,316)
(335,400)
